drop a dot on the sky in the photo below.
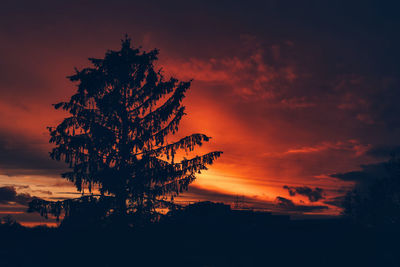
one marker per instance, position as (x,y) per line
(302,97)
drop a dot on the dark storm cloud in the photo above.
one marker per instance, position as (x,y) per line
(384,151)
(284,202)
(20,155)
(312,194)
(368,173)
(289,205)
(371,99)
(9,194)
(336,201)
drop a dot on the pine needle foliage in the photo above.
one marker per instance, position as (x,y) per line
(114,139)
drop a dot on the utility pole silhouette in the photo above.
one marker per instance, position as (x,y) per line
(238,202)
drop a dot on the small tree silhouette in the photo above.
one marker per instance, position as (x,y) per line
(115,139)
(379,204)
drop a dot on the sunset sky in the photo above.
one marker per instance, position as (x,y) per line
(299,95)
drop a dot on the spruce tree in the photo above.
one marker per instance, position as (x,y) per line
(114,139)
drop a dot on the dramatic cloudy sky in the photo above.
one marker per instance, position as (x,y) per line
(302,96)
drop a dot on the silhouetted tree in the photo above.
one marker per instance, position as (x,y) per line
(377,205)
(115,138)
(8,221)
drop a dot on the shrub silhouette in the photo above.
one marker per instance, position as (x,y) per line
(379,204)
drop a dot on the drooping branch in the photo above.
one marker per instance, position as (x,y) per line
(187,144)
(164,112)
(115,137)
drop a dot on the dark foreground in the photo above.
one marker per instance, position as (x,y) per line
(213,238)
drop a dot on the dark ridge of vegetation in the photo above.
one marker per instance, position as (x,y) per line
(378,203)
(203,234)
